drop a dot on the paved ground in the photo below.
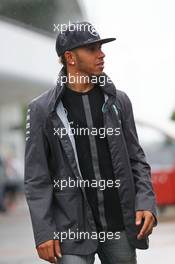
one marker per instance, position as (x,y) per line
(17,244)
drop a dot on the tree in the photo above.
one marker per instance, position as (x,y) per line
(173,116)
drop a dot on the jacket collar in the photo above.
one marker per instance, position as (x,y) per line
(58,90)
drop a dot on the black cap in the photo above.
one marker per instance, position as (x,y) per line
(77,35)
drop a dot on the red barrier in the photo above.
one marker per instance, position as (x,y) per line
(164,186)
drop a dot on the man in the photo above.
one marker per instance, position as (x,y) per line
(58,155)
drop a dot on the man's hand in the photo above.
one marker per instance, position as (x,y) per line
(148,223)
(49,251)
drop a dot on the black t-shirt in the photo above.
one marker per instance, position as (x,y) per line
(84,110)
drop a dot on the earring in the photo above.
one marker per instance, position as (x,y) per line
(73,62)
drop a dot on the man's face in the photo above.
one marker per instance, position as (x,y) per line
(89,59)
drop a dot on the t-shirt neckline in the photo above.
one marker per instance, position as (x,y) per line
(81,93)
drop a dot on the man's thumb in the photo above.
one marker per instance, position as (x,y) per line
(57,248)
(139,215)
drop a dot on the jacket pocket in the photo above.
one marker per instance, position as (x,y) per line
(69,210)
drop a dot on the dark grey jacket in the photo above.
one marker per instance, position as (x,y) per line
(50,156)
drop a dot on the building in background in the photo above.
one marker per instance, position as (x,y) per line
(28,64)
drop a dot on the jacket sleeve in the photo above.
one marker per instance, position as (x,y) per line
(145,197)
(37,181)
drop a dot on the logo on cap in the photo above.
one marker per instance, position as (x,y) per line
(93,31)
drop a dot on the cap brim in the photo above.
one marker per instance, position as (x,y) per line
(102,41)
(106,40)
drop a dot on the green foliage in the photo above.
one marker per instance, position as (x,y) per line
(173,116)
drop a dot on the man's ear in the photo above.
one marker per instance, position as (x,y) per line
(70,57)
